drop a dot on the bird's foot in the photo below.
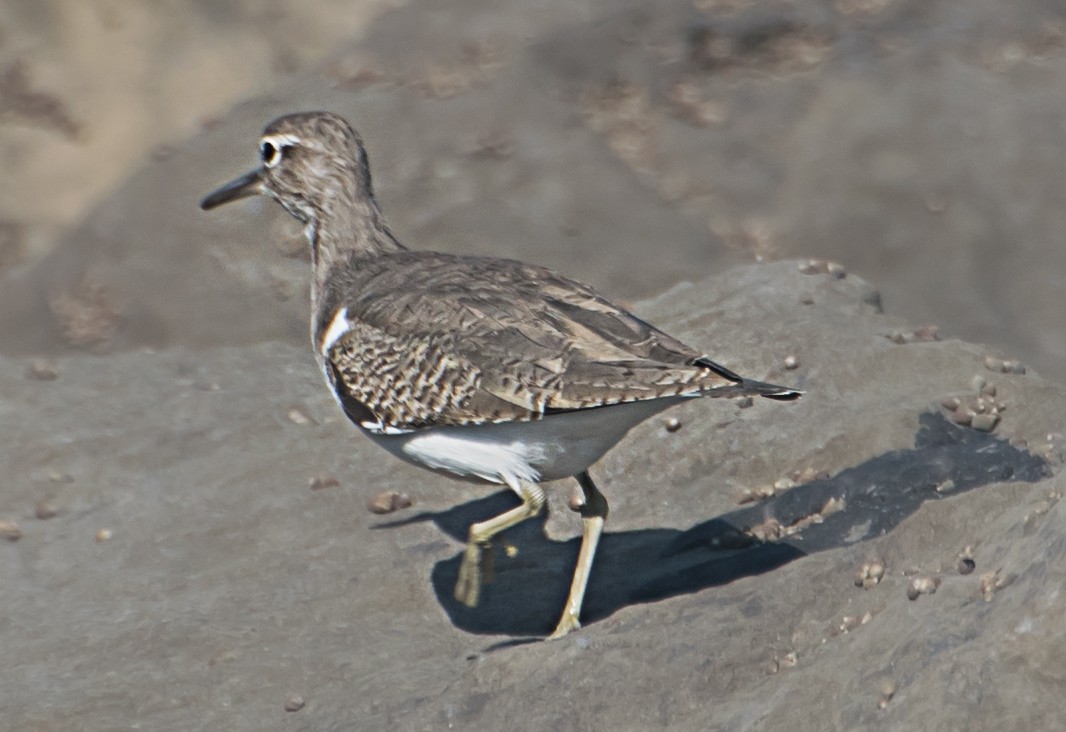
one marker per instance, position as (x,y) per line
(566,624)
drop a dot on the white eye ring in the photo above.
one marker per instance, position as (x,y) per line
(272,149)
(269,153)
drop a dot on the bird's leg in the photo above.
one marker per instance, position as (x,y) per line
(593,512)
(468,586)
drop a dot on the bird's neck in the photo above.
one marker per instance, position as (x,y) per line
(356,231)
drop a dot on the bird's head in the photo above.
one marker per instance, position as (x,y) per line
(310,163)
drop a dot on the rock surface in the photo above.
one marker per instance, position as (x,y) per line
(198,569)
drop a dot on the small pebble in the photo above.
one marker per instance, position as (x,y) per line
(807,475)
(744,402)
(294,703)
(967,551)
(673,424)
(950,403)
(833,505)
(806,300)
(849,623)
(1039,509)
(576,501)
(1009,366)
(927,333)
(104,535)
(10,530)
(764,491)
(989,583)
(388,502)
(921,334)
(45,509)
(768,530)
(823,266)
(922,586)
(789,660)
(323,480)
(870,574)
(297,416)
(984,422)
(978,382)
(783,484)
(946,486)
(742,496)
(791,362)
(1048,451)
(799,525)
(963,416)
(888,690)
(42,370)
(966,565)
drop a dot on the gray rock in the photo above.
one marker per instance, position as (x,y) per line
(228,585)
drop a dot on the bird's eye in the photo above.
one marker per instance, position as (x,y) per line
(269,153)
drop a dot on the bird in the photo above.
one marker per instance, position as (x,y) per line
(481,368)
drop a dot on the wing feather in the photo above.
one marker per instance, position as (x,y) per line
(437,339)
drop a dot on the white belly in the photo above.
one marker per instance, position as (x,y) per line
(516,452)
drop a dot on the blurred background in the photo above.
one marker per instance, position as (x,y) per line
(629,144)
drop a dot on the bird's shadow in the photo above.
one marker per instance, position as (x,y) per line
(633,567)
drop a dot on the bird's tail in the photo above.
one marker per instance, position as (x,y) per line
(745,387)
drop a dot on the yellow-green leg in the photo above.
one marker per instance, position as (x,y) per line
(468,586)
(593,514)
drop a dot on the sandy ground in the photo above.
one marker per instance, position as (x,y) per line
(169,565)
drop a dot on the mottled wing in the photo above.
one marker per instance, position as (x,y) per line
(438,339)
(390,382)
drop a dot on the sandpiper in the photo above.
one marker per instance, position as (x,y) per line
(481,368)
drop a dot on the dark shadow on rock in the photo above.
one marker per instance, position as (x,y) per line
(632,567)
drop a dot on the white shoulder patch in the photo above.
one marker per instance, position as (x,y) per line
(337,328)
